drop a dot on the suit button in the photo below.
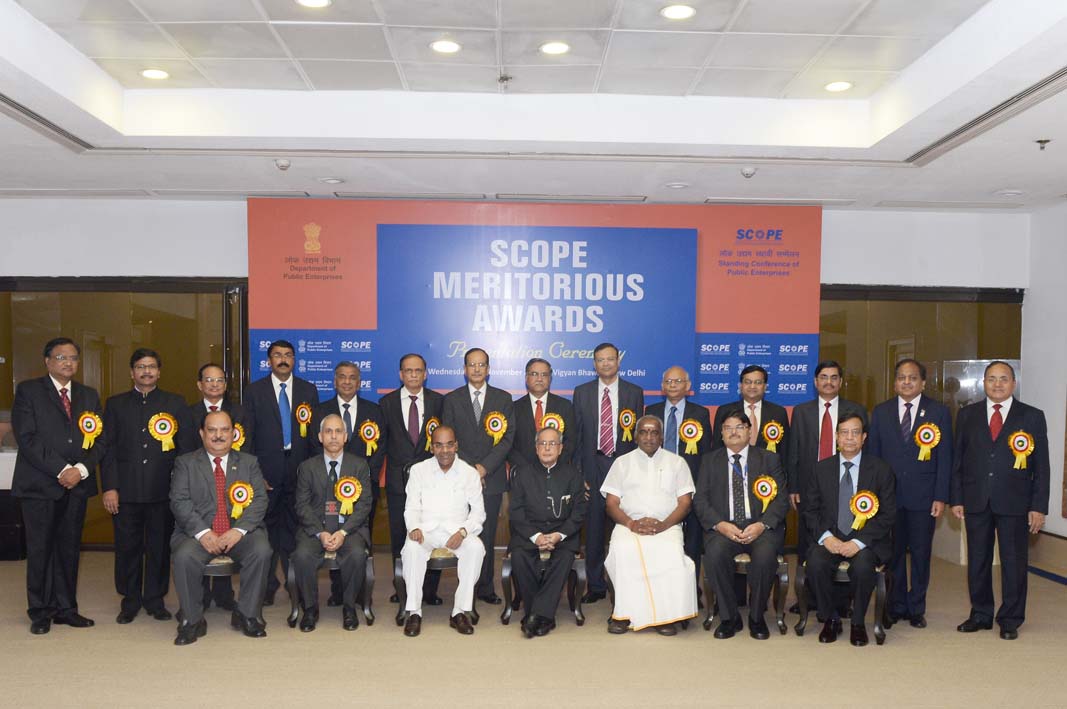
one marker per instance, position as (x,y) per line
(144,430)
(144,445)
(144,462)
(69,441)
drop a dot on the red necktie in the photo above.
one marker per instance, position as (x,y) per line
(753,431)
(66,401)
(826,436)
(413,420)
(221,523)
(996,422)
(607,425)
(538,415)
(213,408)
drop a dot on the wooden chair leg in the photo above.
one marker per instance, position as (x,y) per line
(506,584)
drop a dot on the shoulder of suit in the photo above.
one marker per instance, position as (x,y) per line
(367,403)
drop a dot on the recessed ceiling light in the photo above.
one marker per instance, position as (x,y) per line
(331,180)
(156,74)
(1009,192)
(838,86)
(678,12)
(315,4)
(676,185)
(555,48)
(445,46)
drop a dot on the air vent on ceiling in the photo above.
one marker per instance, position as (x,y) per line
(411,195)
(918,204)
(60,193)
(227,194)
(570,198)
(786,201)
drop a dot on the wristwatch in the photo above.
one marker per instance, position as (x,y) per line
(463,532)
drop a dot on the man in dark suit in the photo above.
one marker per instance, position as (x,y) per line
(209,524)
(742,517)
(760,413)
(999,484)
(601,439)
(813,439)
(365,431)
(545,537)
(406,412)
(278,412)
(324,528)
(860,533)
(530,410)
(482,417)
(690,441)
(211,381)
(913,433)
(56,422)
(146,429)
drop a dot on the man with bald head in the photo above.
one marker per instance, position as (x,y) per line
(687,432)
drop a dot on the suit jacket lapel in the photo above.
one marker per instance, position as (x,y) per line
(53,395)
(1013,421)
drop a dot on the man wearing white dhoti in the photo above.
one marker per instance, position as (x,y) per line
(648,493)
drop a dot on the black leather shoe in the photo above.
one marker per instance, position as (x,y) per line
(491,598)
(530,626)
(188,633)
(829,632)
(894,617)
(973,626)
(728,628)
(74,620)
(462,624)
(544,627)
(618,627)
(667,630)
(160,614)
(414,625)
(334,600)
(758,629)
(593,596)
(40,627)
(125,617)
(394,598)
(433,600)
(1008,633)
(268,597)
(349,619)
(917,621)
(795,609)
(858,635)
(309,620)
(251,627)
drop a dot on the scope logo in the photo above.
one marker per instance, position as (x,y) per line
(715,348)
(714,367)
(365,385)
(760,234)
(792,388)
(263,345)
(355,345)
(264,364)
(792,349)
(792,368)
(363,364)
(714,387)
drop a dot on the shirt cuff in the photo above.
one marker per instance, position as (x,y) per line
(242,531)
(533,539)
(562,536)
(82,469)
(201,533)
(858,543)
(823,537)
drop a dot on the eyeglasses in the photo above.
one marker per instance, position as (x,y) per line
(539,375)
(849,432)
(752,382)
(409,372)
(145,367)
(214,380)
(673,382)
(731,429)
(547,444)
(66,358)
(829,377)
(477,365)
(282,355)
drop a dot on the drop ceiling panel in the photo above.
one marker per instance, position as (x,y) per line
(458,77)
(412,44)
(125,40)
(765,83)
(441,13)
(352,76)
(807,17)
(200,10)
(335,41)
(552,79)
(237,40)
(646,80)
(711,15)
(556,14)
(873,53)
(128,73)
(252,73)
(914,18)
(768,51)
(53,11)
(587,47)
(660,48)
(339,11)
(811,83)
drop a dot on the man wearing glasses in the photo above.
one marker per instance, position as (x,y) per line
(760,413)
(530,410)
(814,439)
(548,504)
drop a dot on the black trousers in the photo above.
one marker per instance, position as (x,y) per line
(142,554)
(804,540)
(720,568)
(488,536)
(693,540)
(398,532)
(53,550)
(596,525)
(280,521)
(541,582)
(822,566)
(1012,534)
(913,533)
(308,557)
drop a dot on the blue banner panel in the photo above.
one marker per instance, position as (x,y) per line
(319,351)
(528,291)
(789,360)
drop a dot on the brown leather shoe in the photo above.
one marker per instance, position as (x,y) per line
(414,625)
(462,624)
(667,629)
(618,627)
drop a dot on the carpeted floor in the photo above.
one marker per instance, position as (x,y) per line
(137,664)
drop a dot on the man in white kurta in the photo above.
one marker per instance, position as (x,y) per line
(649,492)
(444,510)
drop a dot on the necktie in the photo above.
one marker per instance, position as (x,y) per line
(738,482)
(753,432)
(221,523)
(996,422)
(348,420)
(333,472)
(539,413)
(607,425)
(844,501)
(331,519)
(670,435)
(213,408)
(66,401)
(826,436)
(905,423)
(287,418)
(477,406)
(413,420)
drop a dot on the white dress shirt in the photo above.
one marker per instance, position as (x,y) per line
(82,470)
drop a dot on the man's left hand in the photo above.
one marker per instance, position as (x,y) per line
(937,508)
(752,532)
(70,477)
(454,541)
(230,539)
(848,549)
(1037,521)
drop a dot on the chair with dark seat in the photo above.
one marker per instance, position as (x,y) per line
(440,559)
(881,588)
(575,580)
(329,560)
(781,587)
(218,567)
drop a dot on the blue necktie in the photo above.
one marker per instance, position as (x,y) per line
(287,418)
(348,421)
(670,436)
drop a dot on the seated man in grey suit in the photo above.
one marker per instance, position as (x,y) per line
(333,503)
(218,499)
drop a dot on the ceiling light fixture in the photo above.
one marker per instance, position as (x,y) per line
(331,180)
(445,46)
(555,47)
(315,4)
(836,87)
(1009,192)
(677,12)
(676,185)
(156,74)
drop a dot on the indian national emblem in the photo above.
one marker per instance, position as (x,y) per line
(311,238)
